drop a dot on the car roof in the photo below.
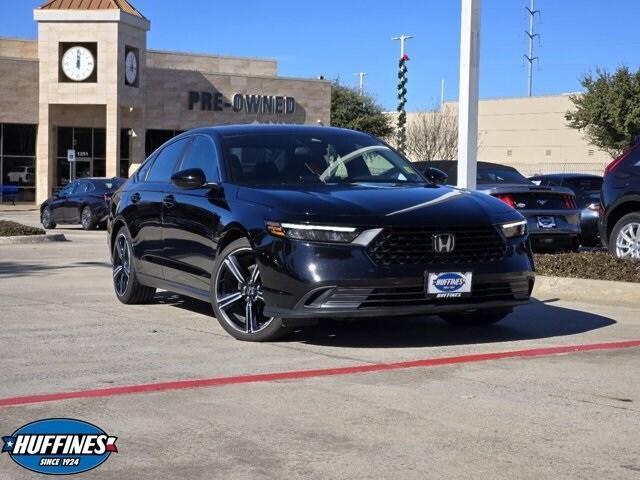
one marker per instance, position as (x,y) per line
(262,128)
(566,175)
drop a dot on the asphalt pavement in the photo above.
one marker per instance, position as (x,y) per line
(398,398)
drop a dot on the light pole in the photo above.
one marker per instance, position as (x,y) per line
(402,92)
(468,98)
(361,84)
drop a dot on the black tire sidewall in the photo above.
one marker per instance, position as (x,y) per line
(272,332)
(620,224)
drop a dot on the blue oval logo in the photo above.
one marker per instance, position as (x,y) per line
(59,446)
(449,282)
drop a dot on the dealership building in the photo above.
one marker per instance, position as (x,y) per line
(88,99)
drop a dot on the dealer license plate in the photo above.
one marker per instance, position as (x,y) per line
(448,284)
(546,222)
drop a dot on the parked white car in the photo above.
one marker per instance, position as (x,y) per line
(21,175)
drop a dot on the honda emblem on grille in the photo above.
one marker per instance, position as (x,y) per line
(444,243)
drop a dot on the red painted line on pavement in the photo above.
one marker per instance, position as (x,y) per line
(324,372)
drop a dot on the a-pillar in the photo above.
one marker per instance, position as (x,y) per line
(113,140)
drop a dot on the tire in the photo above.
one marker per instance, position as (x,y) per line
(624,241)
(125,282)
(46,218)
(476,318)
(87,220)
(235,284)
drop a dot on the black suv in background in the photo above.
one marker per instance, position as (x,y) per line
(620,197)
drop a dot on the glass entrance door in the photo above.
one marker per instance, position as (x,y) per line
(82,168)
(89,145)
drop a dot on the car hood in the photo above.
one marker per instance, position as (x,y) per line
(379,204)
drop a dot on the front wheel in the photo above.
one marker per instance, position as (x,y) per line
(625,237)
(125,282)
(478,317)
(46,218)
(237,296)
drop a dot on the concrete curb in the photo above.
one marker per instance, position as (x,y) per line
(588,291)
(27,239)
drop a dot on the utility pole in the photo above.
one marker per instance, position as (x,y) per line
(402,92)
(530,58)
(442,94)
(361,87)
(468,97)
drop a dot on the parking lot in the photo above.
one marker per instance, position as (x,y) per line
(393,397)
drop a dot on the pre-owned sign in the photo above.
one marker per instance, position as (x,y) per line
(242,102)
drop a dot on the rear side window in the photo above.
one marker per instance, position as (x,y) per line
(110,185)
(202,155)
(165,163)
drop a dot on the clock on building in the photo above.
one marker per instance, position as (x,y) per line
(78,62)
(131,67)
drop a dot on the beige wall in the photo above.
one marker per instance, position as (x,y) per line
(18,91)
(531,134)
(210,63)
(18,48)
(167,106)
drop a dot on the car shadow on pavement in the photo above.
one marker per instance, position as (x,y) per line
(529,322)
(536,320)
(26,269)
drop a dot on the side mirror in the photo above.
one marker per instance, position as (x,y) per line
(436,175)
(189,179)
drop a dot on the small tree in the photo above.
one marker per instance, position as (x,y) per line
(609,110)
(351,110)
(433,135)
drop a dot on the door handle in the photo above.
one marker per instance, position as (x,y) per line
(169,201)
(135,198)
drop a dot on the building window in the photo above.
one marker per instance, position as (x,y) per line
(155,138)
(17,163)
(509,153)
(90,147)
(125,152)
(547,153)
(590,153)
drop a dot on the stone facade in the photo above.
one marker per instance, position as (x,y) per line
(33,91)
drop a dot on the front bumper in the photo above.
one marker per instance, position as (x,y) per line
(304,280)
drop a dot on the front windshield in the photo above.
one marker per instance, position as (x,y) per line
(331,158)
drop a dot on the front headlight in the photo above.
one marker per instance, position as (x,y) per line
(514,229)
(312,233)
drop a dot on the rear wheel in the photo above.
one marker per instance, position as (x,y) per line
(46,218)
(86,219)
(125,282)
(478,317)
(237,296)
(624,241)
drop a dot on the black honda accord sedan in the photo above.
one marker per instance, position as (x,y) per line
(278,226)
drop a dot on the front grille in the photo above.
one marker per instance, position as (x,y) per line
(414,246)
(414,295)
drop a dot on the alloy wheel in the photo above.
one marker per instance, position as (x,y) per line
(86,218)
(121,265)
(238,292)
(628,241)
